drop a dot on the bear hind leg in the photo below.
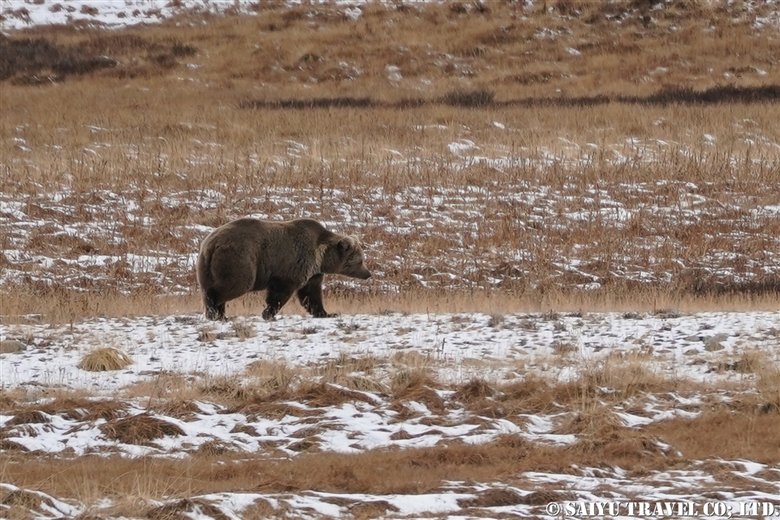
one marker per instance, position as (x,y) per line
(310,296)
(279,292)
(215,310)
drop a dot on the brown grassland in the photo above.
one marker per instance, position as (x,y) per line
(741,428)
(187,107)
(295,112)
(231,105)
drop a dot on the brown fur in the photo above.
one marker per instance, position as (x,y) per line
(281,257)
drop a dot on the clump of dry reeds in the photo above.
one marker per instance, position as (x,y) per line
(139,429)
(105,359)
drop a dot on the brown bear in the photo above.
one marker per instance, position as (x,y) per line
(282,257)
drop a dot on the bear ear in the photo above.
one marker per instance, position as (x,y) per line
(343,245)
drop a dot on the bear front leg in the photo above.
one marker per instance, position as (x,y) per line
(279,292)
(310,296)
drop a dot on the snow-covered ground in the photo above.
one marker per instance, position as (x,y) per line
(57,236)
(456,348)
(20,14)
(685,346)
(584,492)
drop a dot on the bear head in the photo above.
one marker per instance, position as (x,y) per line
(350,258)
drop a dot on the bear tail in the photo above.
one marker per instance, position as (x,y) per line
(214,311)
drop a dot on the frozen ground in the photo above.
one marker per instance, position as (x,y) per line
(462,346)
(704,347)
(454,502)
(20,14)
(106,239)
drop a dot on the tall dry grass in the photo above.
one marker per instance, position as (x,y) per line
(123,157)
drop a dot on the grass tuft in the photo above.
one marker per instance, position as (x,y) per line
(139,429)
(105,359)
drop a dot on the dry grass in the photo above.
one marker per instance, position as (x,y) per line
(768,386)
(733,429)
(725,433)
(189,125)
(353,372)
(65,307)
(139,429)
(503,46)
(507,64)
(184,506)
(80,408)
(624,376)
(104,359)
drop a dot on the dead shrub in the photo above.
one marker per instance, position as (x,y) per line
(105,359)
(139,429)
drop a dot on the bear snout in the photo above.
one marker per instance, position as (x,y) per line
(364,274)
